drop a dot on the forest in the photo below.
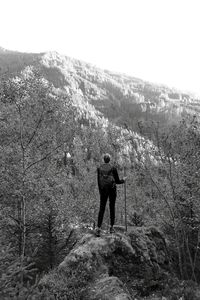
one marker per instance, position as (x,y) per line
(50,150)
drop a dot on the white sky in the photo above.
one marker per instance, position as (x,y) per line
(155,40)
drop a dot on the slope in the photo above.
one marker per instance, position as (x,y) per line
(120,98)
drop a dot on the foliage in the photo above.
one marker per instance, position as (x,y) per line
(34,128)
(135,219)
(72,284)
(52,140)
(119,97)
(45,194)
(174,179)
(17,279)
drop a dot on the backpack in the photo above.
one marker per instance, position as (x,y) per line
(106,178)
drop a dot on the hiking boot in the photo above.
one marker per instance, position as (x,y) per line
(98,232)
(112,230)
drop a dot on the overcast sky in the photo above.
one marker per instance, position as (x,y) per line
(155,40)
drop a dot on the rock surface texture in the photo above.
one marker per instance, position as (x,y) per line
(118,266)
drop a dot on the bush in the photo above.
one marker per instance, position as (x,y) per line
(71,284)
(136,219)
(18,279)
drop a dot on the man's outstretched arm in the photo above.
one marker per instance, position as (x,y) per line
(116,177)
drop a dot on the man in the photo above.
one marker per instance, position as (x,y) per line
(107,177)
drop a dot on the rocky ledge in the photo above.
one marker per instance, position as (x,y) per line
(119,266)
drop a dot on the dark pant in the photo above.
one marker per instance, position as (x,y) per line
(104,195)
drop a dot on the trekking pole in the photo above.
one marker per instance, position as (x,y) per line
(125,200)
(107,210)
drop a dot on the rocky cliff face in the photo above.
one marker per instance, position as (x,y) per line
(117,266)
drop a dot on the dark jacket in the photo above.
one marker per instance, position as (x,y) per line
(114,172)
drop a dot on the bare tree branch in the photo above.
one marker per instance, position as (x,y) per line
(43,158)
(35,131)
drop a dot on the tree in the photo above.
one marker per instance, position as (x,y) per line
(172,167)
(35,122)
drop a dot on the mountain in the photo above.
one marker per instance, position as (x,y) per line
(120,98)
(49,190)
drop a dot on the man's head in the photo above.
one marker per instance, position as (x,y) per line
(106,158)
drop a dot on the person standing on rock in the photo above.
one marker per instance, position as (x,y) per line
(107,178)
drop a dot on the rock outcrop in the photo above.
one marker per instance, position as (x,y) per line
(114,267)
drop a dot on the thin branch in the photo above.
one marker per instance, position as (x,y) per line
(43,158)
(196,252)
(35,131)
(16,220)
(170,177)
(66,241)
(190,257)
(163,196)
(21,129)
(42,144)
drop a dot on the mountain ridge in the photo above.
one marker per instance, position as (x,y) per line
(119,97)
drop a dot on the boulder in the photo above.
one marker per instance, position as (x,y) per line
(108,288)
(115,266)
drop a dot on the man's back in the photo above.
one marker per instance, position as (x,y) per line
(106,169)
(106,178)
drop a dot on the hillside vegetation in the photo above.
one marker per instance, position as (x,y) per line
(121,98)
(58,116)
